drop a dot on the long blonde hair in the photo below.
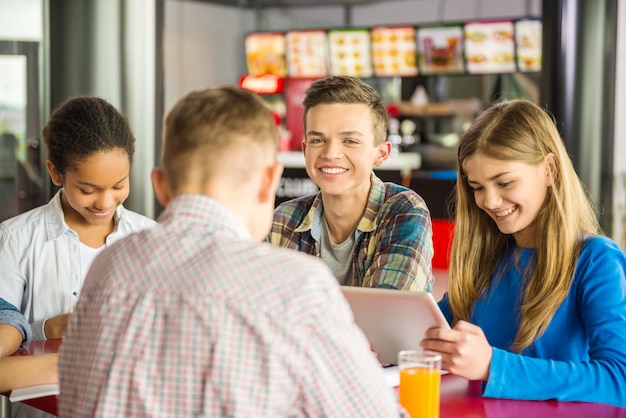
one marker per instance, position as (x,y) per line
(519,130)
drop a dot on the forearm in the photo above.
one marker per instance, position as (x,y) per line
(10,339)
(515,376)
(17,372)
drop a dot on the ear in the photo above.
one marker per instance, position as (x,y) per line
(269,183)
(382,153)
(55,175)
(303,146)
(552,169)
(160,186)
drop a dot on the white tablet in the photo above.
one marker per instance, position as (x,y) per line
(393,320)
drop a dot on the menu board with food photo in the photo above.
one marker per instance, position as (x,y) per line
(440,50)
(307,54)
(350,52)
(528,43)
(489,47)
(394,51)
(265,54)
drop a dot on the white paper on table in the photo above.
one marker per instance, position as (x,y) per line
(31,392)
(392,376)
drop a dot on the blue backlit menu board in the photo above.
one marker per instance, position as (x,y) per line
(393,51)
(489,47)
(350,52)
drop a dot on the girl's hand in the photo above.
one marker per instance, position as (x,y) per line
(464,350)
(55,326)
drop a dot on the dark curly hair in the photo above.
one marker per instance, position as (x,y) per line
(83,126)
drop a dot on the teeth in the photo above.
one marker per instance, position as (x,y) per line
(329,170)
(504,213)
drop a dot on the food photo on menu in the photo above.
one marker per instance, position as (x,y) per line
(490,47)
(440,49)
(394,51)
(350,52)
(528,44)
(307,54)
(265,54)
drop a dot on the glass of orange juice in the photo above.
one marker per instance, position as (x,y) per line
(420,375)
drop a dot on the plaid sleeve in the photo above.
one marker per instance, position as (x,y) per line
(401,246)
(291,225)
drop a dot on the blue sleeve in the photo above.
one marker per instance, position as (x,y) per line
(599,292)
(10,315)
(6,306)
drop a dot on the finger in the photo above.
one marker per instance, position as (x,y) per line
(440,346)
(464,326)
(438,333)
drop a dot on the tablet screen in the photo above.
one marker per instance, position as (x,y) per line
(393,320)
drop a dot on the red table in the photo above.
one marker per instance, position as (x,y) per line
(462,399)
(459,399)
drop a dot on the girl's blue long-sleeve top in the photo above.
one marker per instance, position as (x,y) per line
(582,354)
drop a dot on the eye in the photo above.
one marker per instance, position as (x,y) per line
(83,191)
(315,141)
(505,184)
(351,141)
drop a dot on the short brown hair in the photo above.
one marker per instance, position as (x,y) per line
(348,90)
(203,126)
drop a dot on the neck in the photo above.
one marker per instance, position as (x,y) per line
(342,215)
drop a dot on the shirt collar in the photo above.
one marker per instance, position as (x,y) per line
(55,219)
(205,210)
(313,221)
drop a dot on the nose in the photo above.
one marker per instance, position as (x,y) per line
(332,149)
(491,198)
(106,200)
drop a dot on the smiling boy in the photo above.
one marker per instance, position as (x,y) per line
(370,233)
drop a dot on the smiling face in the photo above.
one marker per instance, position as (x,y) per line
(339,148)
(94,189)
(511,193)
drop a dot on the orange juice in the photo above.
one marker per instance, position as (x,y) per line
(419,391)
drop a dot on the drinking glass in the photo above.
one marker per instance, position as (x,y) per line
(420,377)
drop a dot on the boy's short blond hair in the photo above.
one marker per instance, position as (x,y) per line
(202,129)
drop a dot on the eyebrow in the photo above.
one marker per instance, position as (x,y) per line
(492,178)
(344,133)
(95,186)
